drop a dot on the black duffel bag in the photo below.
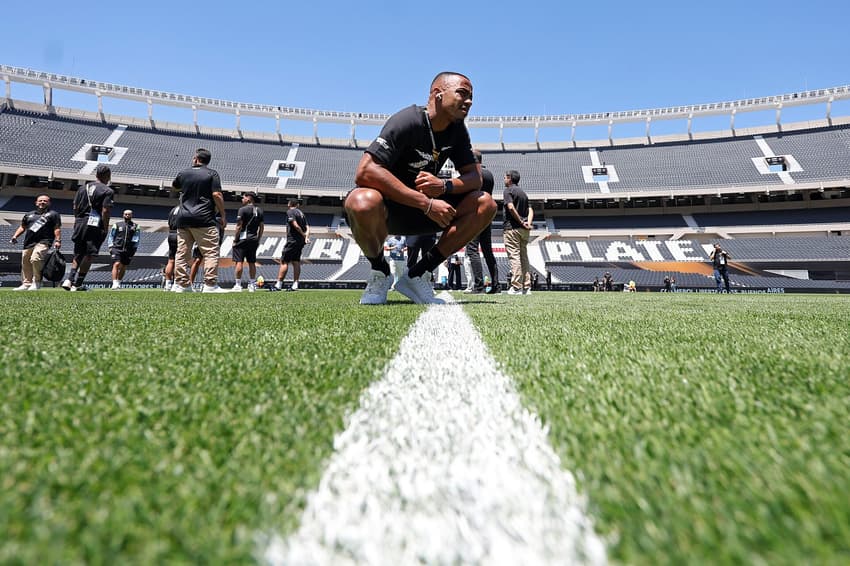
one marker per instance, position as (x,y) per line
(54,266)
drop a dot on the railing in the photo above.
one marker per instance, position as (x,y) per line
(99,88)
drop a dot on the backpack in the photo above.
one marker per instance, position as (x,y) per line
(54,266)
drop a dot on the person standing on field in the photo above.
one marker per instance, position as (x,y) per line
(297,236)
(41,228)
(200,199)
(246,241)
(92,206)
(485,240)
(395,248)
(517,229)
(172,247)
(720,261)
(124,239)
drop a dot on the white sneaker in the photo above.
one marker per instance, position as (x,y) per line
(34,287)
(376,288)
(74,288)
(212,289)
(67,284)
(252,287)
(513,291)
(417,289)
(168,285)
(22,287)
(294,286)
(116,285)
(237,288)
(177,288)
(526,291)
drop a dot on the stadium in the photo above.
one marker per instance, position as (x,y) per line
(642,208)
(716,431)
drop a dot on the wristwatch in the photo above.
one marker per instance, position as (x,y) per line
(448,187)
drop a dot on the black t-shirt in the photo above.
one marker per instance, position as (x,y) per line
(91,200)
(517,196)
(404,145)
(251,217)
(40,227)
(197,207)
(295,216)
(487,181)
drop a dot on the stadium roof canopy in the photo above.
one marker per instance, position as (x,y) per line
(50,81)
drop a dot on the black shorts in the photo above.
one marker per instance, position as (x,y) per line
(245,250)
(292,252)
(172,245)
(87,239)
(121,257)
(406,220)
(196,252)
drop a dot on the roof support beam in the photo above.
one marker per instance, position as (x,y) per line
(48,95)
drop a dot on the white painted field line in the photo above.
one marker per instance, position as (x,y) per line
(441,464)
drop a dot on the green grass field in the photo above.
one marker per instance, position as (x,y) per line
(147,427)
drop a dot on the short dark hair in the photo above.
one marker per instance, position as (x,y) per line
(39,195)
(103,172)
(203,155)
(477,155)
(251,194)
(293,202)
(514,175)
(442,75)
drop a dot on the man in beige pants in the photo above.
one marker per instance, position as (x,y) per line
(200,199)
(517,227)
(42,228)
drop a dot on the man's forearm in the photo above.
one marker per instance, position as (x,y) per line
(219,203)
(467,182)
(376,177)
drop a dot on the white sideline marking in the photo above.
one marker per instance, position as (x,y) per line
(441,464)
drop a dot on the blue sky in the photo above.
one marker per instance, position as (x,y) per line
(531,57)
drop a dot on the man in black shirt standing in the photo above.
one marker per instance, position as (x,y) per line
(485,240)
(399,190)
(297,236)
(249,232)
(200,198)
(92,204)
(42,228)
(517,228)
